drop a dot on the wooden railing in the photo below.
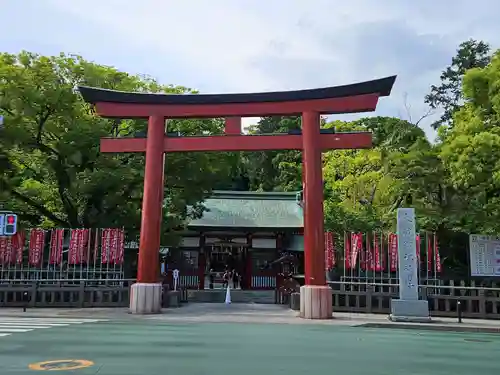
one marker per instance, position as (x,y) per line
(476,302)
(66,293)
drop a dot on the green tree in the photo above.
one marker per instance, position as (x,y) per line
(448,95)
(471,150)
(275,170)
(52,170)
(361,191)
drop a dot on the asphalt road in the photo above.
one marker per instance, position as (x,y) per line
(154,347)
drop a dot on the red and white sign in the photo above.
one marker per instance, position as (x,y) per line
(56,246)
(74,251)
(112,245)
(83,245)
(347,252)
(121,247)
(376,249)
(18,242)
(429,254)
(3,248)
(417,241)
(370,256)
(437,256)
(393,252)
(329,251)
(106,245)
(11,248)
(356,245)
(36,245)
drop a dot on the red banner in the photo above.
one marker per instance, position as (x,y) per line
(36,245)
(113,249)
(393,252)
(437,256)
(370,256)
(105,245)
(74,251)
(4,244)
(329,251)
(18,242)
(96,245)
(356,246)
(347,252)
(121,247)
(362,252)
(11,249)
(376,248)
(78,246)
(429,253)
(83,245)
(56,246)
(417,240)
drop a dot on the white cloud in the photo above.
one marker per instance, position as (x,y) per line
(250,45)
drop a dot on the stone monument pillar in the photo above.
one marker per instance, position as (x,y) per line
(408,307)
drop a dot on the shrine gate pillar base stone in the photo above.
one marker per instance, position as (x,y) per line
(408,308)
(146,294)
(316,302)
(145,298)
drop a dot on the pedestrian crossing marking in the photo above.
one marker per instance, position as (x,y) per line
(11,325)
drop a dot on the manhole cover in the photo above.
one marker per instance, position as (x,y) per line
(60,365)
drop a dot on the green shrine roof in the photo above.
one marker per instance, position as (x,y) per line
(245,209)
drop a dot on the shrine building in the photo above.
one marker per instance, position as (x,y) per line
(244,231)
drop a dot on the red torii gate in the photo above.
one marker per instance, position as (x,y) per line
(316,297)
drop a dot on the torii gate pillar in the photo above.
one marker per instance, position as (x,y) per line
(146,294)
(315,296)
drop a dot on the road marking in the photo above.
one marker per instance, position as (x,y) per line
(10,325)
(15,330)
(61,365)
(48,325)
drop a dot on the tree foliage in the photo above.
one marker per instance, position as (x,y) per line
(448,96)
(52,173)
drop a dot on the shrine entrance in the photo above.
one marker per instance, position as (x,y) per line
(226,257)
(310,104)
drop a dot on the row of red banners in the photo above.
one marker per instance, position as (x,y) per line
(80,250)
(372,256)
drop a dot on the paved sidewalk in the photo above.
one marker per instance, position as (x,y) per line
(258,313)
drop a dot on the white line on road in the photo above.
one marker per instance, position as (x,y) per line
(12,330)
(24,326)
(18,322)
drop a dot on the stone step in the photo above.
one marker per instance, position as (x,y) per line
(237,296)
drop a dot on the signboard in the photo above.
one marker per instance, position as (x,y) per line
(2,223)
(484,255)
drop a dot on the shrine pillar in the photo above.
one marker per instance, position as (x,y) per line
(315,295)
(146,294)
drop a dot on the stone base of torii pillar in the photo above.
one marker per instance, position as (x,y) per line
(145,298)
(316,302)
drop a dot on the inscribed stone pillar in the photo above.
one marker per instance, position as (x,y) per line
(408,307)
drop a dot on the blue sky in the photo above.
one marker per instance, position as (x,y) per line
(250,45)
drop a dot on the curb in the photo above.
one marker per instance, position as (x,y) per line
(431,327)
